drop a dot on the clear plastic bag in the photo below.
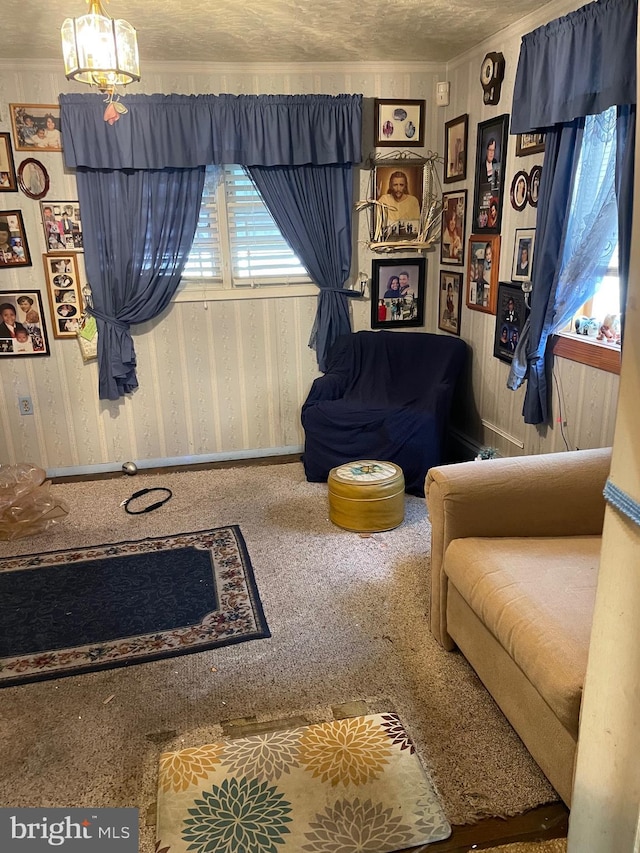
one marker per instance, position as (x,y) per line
(27,506)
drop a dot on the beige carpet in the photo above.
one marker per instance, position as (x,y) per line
(349,618)
(556,845)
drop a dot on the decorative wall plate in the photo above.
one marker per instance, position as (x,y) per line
(33,178)
(519,190)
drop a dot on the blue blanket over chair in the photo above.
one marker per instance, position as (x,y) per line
(386,395)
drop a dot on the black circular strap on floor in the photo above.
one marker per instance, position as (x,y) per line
(151,507)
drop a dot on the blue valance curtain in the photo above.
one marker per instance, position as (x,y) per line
(177,134)
(576,66)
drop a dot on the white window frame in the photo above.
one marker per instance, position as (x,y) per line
(198,289)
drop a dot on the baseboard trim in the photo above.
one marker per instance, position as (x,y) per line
(175,461)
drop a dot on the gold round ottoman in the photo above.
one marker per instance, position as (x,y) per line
(366,496)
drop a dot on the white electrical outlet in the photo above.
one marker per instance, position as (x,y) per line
(26,406)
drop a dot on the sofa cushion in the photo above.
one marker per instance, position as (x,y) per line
(536,596)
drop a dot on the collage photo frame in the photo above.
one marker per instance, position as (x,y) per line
(64,292)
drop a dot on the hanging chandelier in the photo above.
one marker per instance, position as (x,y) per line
(99,50)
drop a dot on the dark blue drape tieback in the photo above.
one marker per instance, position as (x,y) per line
(343,290)
(112,321)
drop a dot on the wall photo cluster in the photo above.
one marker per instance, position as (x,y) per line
(23,326)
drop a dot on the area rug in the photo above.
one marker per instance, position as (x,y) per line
(346,786)
(74,611)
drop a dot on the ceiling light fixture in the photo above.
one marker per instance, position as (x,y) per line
(99,50)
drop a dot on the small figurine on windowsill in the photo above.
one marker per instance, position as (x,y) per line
(609,330)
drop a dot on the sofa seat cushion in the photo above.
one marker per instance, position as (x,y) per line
(536,596)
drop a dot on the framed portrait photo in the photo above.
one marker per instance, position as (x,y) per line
(529,143)
(398,123)
(7,169)
(482,273)
(62,226)
(64,292)
(523,246)
(519,190)
(450,301)
(456,134)
(36,127)
(511,314)
(33,178)
(22,326)
(397,292)
(533,189)
(454,223)
(491,157)
(399,192)
(14,249)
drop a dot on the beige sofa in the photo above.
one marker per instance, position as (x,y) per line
(514,561)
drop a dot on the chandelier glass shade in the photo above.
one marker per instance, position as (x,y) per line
(99,50)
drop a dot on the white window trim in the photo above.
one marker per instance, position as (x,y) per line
(207,292)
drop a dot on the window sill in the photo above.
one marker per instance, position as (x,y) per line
(588,351)
(195,293)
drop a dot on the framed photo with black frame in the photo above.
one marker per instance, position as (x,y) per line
(399,123)
(22,327)
(456,134)
(450,301)
(491,158)
(511,314)
(397,292)
(454,224)
(7,167)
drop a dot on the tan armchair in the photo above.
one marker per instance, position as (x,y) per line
(514,557)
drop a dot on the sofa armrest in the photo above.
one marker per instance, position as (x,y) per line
(553,494)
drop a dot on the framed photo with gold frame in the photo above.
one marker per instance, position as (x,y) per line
(399,123)
(482,272)
(454,223)
(36,127)
(62,226)
(529,143)
(14,249)
(7,168)
(398,190)
(64,292)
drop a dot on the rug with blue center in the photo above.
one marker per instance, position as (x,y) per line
(345,786)
(74,611)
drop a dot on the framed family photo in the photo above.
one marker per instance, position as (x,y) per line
(511,314)
(64,292)
(7,168)
(36,127)
(529,143)
(456,134)
(397,292)
(22,327)
(491,157)
(523,245)
(482,273)
(533,190)
(398,123)
(450,302)
(14,250)
(454,222)
(62,226)
(399,192)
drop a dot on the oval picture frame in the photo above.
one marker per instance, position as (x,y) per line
(519,190)
(534,185)
(33,178)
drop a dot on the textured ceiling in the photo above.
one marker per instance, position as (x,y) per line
(273,30)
